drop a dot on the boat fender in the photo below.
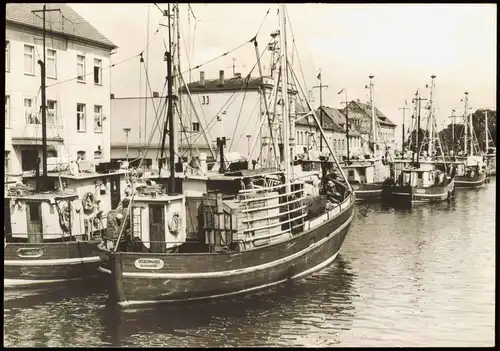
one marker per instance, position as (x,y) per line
(88,203)
(174,224)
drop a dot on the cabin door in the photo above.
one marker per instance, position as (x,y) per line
(34,218)
(157,228)
(29,159)
(115,190)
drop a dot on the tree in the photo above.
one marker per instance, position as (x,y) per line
(478,122)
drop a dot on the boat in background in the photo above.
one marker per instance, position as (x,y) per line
(470,169)
(423,180)
(257,228)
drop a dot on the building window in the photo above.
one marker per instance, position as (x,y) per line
(29,59)
(203,100)
(208,100)
(7,56)
(31,118)
(97,119)
(51,69)
(80,118)
(80,68)
(7,111)
(196,127)
(97,71)
(51,112)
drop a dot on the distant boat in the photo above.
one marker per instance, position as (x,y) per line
(256,228)
(422,180)
(470,168)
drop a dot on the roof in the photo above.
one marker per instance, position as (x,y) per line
(230,84)
(67,22)
(366,108)
(339,118)
(328,122)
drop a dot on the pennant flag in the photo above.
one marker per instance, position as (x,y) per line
(319,75)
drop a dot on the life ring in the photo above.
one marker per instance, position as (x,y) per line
(174,225)
(64,214)
(88,203)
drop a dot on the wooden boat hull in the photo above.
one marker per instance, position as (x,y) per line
(182,277)
(410,195)
(367,192)
(470,182)
(33,264)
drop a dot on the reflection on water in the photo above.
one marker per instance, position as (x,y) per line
(405,277)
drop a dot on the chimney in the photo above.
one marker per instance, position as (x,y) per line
(202,77)
(221,77)
(112,96)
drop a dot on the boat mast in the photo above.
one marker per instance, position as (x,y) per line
(43,88)
(466,127)
(403,127)
(471,130)
(374,124)
(430,146)
(177,73)
(453,131)
(284,93)
(486,132)
(170,114)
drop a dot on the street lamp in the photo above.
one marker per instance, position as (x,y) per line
(346,121)
(126,130)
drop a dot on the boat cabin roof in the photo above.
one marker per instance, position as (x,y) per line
(46,196)
(80,176)
(247,173)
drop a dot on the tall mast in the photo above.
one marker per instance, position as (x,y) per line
(430,145)
(466,127)
(320,86)
(471,129)
(284,92)
(170,115)
(403,127)
(486,131)
(374,123)
(453,131)
(178,72)
(43,89)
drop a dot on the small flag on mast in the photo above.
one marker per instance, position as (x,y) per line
(319,76)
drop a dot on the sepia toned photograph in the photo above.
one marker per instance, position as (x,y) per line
(250,175)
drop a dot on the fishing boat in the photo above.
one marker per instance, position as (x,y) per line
(368,175)
(257,228)
(470,171)
(53,220)
(423,180)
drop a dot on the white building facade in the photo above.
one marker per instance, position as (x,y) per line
(78,87)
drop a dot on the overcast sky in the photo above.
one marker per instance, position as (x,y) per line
(401,45)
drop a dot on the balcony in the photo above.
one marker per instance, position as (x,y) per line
(29,131)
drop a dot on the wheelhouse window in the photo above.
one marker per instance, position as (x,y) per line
(29,59)
(97,119)
(80,68)
(81,155)
(51,69)
(7,56)
(80,118)
(97,71)
(52,112)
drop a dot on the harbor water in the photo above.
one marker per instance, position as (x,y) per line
(418,277)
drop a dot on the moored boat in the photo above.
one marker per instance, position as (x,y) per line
(256,228)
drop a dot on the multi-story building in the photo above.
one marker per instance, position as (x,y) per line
(360,116)
(137,125)
(78,87)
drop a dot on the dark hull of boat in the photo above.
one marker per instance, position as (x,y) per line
(184,277)
(49,263)
(368,192)
(410,195)
(470,182)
